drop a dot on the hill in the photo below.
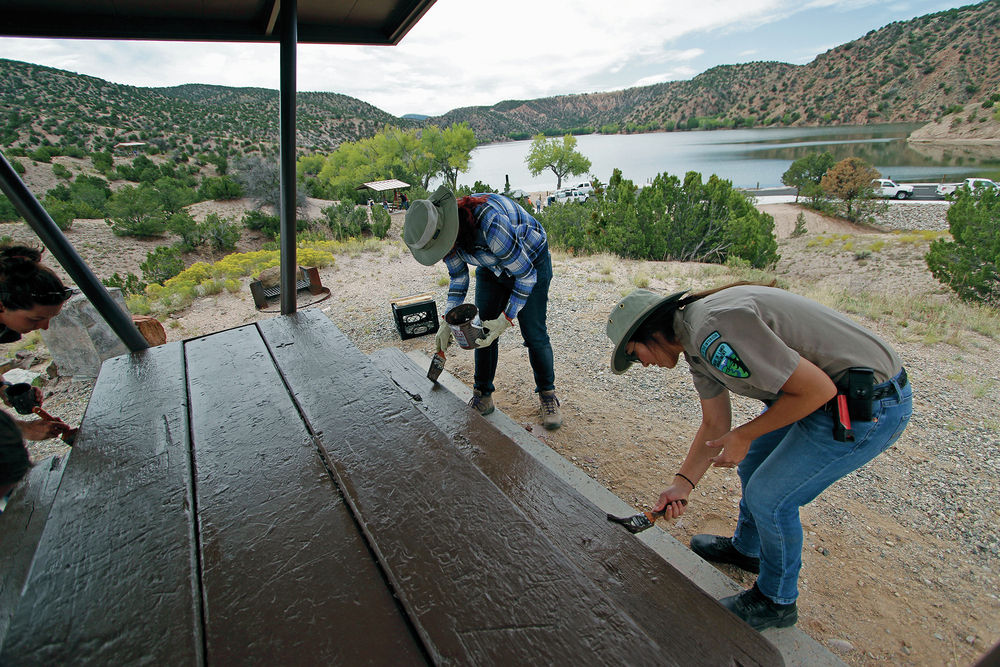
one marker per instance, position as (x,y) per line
(907,71)
(41,105)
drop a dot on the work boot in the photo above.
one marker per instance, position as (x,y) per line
(482,404)
(720,549)
(551,417)
(759,611)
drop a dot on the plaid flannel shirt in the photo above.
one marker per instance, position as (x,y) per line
(508,241)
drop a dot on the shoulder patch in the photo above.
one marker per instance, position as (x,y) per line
(728,361)
(707,343)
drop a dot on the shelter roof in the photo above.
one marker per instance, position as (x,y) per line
(319,21)
(381,186)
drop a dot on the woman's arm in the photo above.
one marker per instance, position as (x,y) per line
(805,391)
(716,419)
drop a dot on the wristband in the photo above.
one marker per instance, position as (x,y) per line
(685,478)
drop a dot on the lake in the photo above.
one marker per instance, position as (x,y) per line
(749,157)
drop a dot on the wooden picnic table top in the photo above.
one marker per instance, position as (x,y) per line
(267,494)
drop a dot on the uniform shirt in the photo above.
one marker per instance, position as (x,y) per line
(748,340)
(508,241)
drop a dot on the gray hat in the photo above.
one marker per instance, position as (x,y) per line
(628,316)
(431,226)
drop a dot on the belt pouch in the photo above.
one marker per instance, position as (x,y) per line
(860,390)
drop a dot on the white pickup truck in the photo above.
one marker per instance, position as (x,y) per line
(945,189)
(886,188)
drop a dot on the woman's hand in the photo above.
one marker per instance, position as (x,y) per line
(734,448)
(42,429)
(670,501)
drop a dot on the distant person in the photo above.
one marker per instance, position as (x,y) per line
(836,396)
(513,269)
(31,294)
(404,201)
(538,204)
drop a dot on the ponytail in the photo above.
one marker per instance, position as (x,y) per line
(662,320)
(25,282)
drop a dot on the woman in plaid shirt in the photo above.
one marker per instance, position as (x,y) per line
(510,251)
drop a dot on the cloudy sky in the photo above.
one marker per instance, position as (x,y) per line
(479,52)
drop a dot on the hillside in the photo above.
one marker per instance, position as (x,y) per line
(907,71)
(42,104)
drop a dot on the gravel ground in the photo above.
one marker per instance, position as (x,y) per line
(900,561)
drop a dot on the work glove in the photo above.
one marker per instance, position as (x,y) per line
(493,329)
(443,338)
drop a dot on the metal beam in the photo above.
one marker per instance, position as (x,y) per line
(289,267)
(53,238)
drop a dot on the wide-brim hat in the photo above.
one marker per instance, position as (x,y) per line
(431,226)
(628,316)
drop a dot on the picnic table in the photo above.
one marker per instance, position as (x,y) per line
(270,494)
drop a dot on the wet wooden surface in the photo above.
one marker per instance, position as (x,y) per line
(21,527)
(665,603)
(113,580)
(267,495)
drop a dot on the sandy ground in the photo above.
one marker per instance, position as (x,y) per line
(878,586)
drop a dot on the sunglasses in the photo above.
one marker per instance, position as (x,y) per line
(631,357)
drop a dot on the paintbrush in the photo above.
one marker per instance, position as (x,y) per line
(640,522)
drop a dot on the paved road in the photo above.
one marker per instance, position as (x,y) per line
(921,192)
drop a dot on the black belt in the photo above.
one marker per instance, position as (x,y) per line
(885,389)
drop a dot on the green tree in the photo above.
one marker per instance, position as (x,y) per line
(970,264)
(850,180)
(136,211)
(558,155)
(806,173)
(173,194)
(162,264)
(444,152)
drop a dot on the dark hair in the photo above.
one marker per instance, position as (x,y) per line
(25,282)
(661,320)
(467,223)
(14,460)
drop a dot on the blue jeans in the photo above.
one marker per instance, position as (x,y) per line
(787,468)
(492,294)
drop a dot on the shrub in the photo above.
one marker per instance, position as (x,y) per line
(162,264)
(221,233)
(381,221)
(191,233)
(129,284)
(136,211)
(220,188)
(970,264)
(61,212)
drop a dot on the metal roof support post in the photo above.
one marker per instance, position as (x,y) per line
(289,267)
(53,238)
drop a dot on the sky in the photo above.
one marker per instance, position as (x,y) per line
(480,52)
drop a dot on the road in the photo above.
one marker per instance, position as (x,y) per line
(921,192)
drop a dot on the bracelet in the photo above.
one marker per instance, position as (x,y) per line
(685,478)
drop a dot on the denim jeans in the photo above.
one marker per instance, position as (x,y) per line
(492,294)
(787,468)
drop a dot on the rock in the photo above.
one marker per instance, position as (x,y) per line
(17,375)
(840,645)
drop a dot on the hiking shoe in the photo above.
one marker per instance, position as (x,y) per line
(759,611)
(482,404)
(720,549)
(551,417)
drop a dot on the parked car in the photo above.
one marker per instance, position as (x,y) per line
(571,194)
(885,187)
(973,184)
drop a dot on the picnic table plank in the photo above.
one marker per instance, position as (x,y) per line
(21,526)
(113,580)
(480,581)
(662,600)
(287,577)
